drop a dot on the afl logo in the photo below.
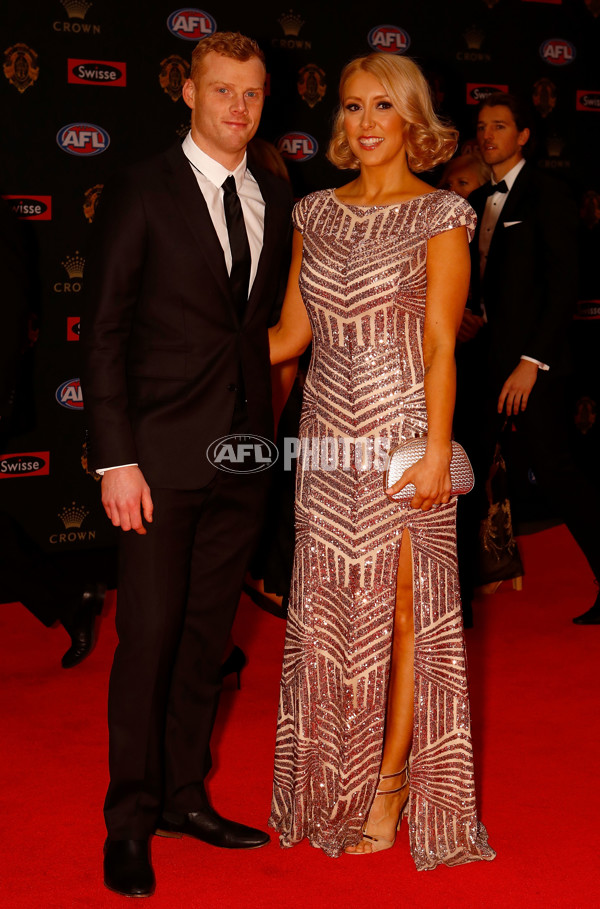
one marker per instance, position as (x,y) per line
(83,139)
(557,51)
(389,38)
(298,146)
(191,24)
(242,454)
(69,395)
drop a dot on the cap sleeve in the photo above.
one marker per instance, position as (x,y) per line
(300,213)
(448,210)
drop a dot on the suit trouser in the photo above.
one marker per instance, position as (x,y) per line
(542,434)
(179,587)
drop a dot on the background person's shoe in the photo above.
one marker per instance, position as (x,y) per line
(81,625)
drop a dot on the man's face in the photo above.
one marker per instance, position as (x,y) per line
(226,99)
(500,141)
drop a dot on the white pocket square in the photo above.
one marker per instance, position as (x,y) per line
(511,223)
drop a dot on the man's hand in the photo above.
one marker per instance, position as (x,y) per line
(124,490)
(469,326)
(517,388)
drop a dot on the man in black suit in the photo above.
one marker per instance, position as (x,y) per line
(523,289)
(187,267)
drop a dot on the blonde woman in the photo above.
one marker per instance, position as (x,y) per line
(374,713)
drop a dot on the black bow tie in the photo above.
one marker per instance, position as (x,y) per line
(500,187)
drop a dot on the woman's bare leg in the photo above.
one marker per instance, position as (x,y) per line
(385,811)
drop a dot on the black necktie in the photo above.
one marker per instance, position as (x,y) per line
(500,187)
(238,241)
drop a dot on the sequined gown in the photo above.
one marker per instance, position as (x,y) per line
(363,282)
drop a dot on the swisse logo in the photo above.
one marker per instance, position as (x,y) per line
(477,92)
(83,139)
(69,395)
(96,72)
(191,24)
(28,464)
(557,51)
(389,38)
(588,101)
(242,454)
(298,146)
(31,208)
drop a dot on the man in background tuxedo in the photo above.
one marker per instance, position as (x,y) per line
(523,292)
(188,264)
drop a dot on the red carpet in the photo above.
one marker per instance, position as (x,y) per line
(534,683)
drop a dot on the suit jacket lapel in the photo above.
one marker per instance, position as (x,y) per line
(514,198)
(269,237)
(192,205)
(511,207)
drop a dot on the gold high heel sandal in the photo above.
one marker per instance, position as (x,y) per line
(379,843)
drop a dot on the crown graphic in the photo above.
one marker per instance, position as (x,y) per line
(73,515)
(74,265)
(474,37)
(555,146)
(76,9)
(291,22)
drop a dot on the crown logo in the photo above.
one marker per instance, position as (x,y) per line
(555,146)
(474,37)
(291,23)
(76,9)
(73,515)
(74,265)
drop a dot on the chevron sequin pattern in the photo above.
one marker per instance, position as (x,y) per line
(363,281)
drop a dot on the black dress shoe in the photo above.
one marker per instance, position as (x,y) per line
(81,625)
(234,663)
(591,617)
(210,827)
(127,867)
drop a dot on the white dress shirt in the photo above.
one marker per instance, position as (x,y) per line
(493,206)
(491,215)
(210,176)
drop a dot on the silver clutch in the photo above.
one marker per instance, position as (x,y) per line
(408,453)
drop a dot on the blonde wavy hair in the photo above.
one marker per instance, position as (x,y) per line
(428,140)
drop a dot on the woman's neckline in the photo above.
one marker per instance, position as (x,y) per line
(387,205)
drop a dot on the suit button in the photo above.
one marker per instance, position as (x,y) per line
(232,388)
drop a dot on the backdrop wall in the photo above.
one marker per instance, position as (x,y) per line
(89,86)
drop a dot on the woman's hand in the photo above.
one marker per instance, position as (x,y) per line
(431,478)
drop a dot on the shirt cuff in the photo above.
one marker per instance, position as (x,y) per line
(102,470)
(538,363)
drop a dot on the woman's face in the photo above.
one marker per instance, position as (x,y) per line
(374,128)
